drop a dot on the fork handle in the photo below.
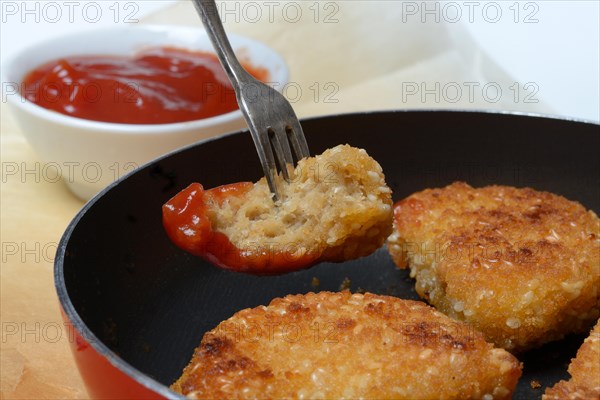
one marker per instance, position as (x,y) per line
(212,22)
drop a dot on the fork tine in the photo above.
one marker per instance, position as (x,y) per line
(296,137)
(283,152)
(267,160)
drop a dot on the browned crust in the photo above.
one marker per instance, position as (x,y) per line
(521,265)
(584,370)
(334,345)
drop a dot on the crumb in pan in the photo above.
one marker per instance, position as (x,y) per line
(522,266)
(340,345)
(338,207)
(535,384)
(584,370)
(345,285)
(315,282)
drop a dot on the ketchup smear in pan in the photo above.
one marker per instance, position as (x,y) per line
(156,86)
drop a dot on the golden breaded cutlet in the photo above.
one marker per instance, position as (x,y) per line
(342,345)
(522,266)
(337,207)
(584,370)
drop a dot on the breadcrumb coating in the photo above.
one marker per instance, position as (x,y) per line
(584,370)
(340,345)
(523,266)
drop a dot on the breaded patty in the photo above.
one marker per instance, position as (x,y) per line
(342,345)
(338,207)
(522,266)
(584,370)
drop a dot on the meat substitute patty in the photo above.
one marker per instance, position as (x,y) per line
(342,345)
(584,370)
(522,266)
(337,207)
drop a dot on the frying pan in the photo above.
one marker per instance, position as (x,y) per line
(138,306)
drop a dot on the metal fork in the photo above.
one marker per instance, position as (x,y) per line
(270,117)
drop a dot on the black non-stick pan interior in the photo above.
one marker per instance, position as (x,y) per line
(151,303)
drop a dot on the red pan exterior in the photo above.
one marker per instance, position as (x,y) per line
(102,379)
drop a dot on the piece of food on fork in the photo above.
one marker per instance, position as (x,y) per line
(337,207)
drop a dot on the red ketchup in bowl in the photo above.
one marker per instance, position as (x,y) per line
(156,86)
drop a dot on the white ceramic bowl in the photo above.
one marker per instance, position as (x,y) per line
(92,154)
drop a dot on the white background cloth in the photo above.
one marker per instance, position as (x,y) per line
(550,46)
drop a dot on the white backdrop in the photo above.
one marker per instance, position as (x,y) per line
(552,43)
